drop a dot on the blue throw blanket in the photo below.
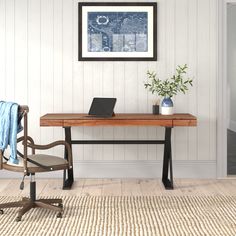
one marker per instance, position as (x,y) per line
(9,127)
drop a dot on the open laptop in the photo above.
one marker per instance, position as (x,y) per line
(102,107)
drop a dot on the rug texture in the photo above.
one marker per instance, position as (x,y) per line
(118,216)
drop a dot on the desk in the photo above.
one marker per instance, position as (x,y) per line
(72,120)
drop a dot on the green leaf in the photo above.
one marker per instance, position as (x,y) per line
(170,86)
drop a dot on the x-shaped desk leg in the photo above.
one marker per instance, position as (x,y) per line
(67,183)
(167,161)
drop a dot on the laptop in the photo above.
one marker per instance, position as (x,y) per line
(102,107)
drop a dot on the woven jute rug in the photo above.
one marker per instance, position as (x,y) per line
(118,216)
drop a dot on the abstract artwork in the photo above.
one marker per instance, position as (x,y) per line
(117,31)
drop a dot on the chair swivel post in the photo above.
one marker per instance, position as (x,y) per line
(32,188)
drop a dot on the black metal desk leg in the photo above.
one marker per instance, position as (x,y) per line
(167,161)
(67,183)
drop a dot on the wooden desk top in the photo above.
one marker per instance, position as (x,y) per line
(132,119)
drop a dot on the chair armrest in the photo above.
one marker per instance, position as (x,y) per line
(54,144)
(22,138)
(29,139)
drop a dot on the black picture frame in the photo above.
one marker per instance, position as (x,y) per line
(151,37)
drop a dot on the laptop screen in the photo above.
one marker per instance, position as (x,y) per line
(102,106)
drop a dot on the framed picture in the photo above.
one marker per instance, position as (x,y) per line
(117,31)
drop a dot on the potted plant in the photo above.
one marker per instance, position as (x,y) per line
(169,87)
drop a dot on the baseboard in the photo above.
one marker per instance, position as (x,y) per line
(232,125)
(131,169)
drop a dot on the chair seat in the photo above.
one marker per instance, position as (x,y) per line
(52,162)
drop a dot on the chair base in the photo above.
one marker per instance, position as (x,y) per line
(26,204)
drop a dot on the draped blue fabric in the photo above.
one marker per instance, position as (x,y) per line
(9,127)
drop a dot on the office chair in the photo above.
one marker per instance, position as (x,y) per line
(32,164)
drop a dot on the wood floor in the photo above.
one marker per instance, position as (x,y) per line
(121,187)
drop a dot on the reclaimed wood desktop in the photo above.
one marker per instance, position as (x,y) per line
(72,120)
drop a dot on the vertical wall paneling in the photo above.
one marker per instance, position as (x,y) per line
(10,50)
(67,45)
(203,84)
(213,51)
(78,104)
(160,65)
(192,72)
(88,95)
(78,87)
(97,92)
(47,80)
(131,106)
(170,34)
(181,57)
(3,48)
(39,66)
(108,91)
(57,67)
(152,131)
(119,93)
(34,68)
(142,107)
(142,103)
(21,51)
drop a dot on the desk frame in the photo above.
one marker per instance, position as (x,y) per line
(68,176)
(68,120)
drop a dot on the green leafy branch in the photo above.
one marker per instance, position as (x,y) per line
(171,86)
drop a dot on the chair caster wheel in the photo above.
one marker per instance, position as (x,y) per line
(59,215)
(60,205)
(18,218)
(1,212)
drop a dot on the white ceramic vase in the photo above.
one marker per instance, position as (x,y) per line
(167,106)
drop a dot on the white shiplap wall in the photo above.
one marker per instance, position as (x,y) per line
(39,67)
